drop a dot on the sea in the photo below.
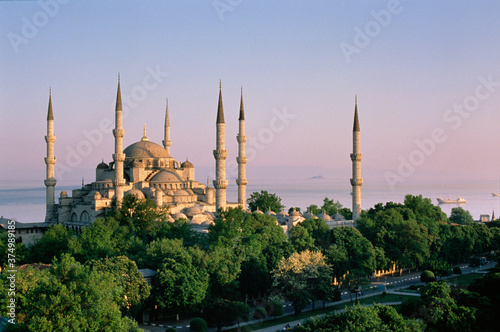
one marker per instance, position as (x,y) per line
(25,201)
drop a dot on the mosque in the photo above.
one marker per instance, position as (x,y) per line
(147,170)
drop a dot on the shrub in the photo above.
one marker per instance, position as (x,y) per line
(170,329)
(259,313)
(427,276)
(198,325)
(413,287)
(457,270)
(410,307)
(274,308)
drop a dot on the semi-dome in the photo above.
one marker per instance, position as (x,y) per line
(166,176)
(135,192)
(145,149)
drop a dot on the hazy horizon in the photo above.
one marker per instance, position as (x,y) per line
(425,74)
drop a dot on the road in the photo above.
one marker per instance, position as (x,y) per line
(377,286)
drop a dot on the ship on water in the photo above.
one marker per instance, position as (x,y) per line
(459,200)
(495,194)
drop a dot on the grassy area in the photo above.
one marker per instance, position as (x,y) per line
(281,321)
(464,279)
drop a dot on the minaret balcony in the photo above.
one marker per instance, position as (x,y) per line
(242,182)
(119,157)
(220,154)
(241,139)
(242,160)
(50,182)
(50,160)
(221,184)
(119,133)
(50,138)
(119,182)
(357,182)
(356,156)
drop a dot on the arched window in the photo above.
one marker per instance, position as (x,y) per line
(85,217)
(74,217)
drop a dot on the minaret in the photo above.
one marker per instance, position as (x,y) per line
(50,161)
(167,142)
(220,155)
(356,156)
(119,156)
(242,159)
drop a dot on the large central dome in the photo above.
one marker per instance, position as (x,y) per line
(145,149)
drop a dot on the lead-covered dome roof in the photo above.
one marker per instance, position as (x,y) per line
(145,149)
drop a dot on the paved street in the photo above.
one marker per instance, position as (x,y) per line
(376,287)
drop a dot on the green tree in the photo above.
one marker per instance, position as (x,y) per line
(198,324)
(330,206)
(70,296)
(300,275)
(360,319)
(225,311)
(264,201)
(180,285)
(441,312)
(427,276)
(52,244)
(460,216)
(135,289)
(255,278)
(274,308)
(142,216)
(104,238)
(301,239)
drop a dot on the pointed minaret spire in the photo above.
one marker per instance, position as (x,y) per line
(493,215)
(356,156)
(220,108)
(220,155)
(242,181)
(356,121)
(50,161)
(166,141)
(119,156)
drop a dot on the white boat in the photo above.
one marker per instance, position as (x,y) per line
(459,200)
(496,194)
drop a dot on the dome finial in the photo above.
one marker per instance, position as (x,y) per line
(145,138)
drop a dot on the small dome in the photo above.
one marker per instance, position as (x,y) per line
(102,165)
(97,195)
(258,211)
(187,164)
(208,223)
(324,216)
(179,216)
(282,213)
(169,218)
(270,212)
(295,213)
(338,216)
(63,194)
(135,192)
(192,211)
(195,222)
